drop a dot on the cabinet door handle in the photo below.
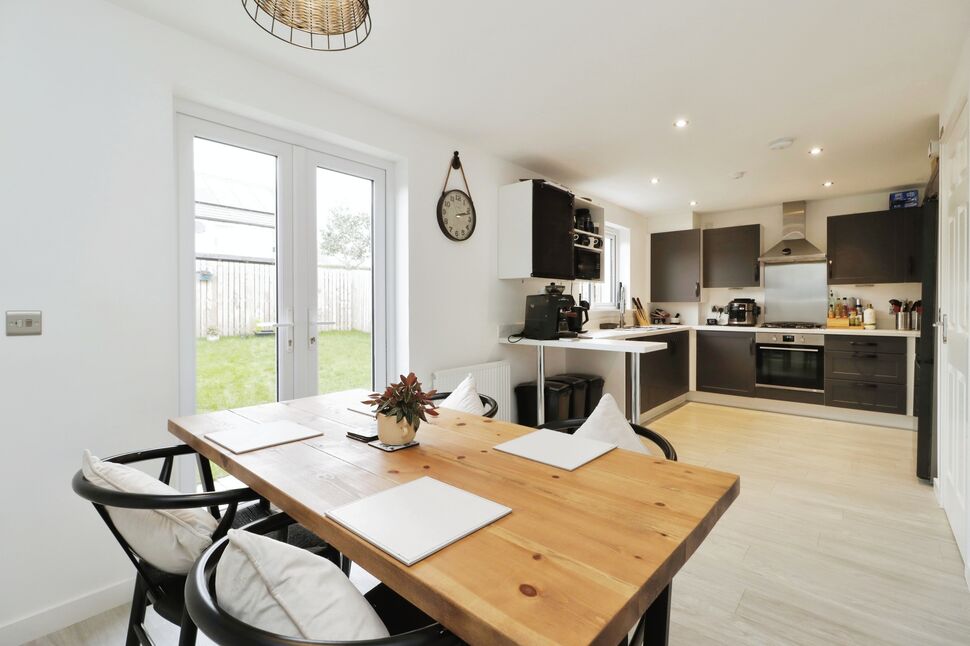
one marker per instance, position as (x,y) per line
(697,289)
(865,343)
(751,347)
(859,355)
(862,385)
(912,266)
(831,264)
(757,272)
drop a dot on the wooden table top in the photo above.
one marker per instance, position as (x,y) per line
(578,561)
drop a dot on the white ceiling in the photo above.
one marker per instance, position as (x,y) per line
(586,91)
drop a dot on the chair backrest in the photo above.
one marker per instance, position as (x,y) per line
(223,628)
(102,498)
(491,406)
(572,425)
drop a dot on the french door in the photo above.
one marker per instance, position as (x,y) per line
(281,289)
(953,330)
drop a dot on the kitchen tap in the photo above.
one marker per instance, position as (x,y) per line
(621,295)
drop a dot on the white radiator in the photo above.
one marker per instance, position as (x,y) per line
(493,379)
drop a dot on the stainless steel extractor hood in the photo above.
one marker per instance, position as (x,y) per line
(793,246)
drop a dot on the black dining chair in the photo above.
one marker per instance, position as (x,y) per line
(163,590)
(491,406)
(407,625)
(658,614)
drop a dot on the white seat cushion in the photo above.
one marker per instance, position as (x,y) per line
(288,591)
(608,424)
(169,539)
(464,398)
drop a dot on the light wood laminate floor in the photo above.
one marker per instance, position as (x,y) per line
(833,541)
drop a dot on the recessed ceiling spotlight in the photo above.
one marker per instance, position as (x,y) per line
(693,202)
(654,180)
(817,150)
(681,123)
(782,143)
(828,184)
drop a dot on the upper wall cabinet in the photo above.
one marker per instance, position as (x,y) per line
(731,256)
(675,266)
(536,234)
(879,247)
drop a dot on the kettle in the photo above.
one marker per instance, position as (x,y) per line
(577,316)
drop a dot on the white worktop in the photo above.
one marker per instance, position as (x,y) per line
(636,332)
(594,341)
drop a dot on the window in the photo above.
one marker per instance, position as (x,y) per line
(604,293)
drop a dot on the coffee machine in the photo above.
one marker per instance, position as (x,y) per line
(547,315)
(743,311)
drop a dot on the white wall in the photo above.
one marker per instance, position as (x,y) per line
(89,213)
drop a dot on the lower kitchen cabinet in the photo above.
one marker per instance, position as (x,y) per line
(664,375)
(726,362)
(866,395)
(866,366)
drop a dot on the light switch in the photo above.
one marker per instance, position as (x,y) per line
(23,323)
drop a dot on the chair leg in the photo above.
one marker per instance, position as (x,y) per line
(187,630)
(139,602)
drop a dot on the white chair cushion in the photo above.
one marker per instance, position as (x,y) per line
(608,424)
(464,398)
(288,591)
(169,539)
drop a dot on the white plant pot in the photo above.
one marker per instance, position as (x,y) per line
(392,432)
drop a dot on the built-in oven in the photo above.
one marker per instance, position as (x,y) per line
(790,367)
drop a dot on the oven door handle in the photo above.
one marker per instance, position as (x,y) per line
(772,347)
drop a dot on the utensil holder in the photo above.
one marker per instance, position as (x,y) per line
(915,320)
(902,320)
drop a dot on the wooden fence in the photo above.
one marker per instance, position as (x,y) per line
(235,297)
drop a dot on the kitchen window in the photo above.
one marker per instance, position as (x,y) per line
(603,294)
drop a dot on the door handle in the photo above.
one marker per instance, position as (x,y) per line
(831,263)
(697,289)
(859,355)
(751,347)
(865,343)
(943,324)
(757,272)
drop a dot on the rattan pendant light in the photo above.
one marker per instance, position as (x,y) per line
(328,25)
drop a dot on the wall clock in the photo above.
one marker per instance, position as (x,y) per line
(456,211)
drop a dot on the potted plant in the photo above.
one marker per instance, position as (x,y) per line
(400,410)
(212,334)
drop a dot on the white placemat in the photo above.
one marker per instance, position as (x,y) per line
(556,449)
(414,520)
(260,436)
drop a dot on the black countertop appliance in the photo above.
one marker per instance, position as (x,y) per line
(545,314)
(743,311)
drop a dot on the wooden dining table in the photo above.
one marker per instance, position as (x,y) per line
(583,555)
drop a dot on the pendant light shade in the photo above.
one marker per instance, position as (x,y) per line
(327,25)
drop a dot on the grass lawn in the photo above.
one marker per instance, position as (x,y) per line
(241,371)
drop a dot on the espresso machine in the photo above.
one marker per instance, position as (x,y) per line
(551,315)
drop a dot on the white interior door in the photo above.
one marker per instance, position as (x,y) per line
(953,331)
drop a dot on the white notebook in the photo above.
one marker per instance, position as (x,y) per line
(260,436)
(556,449)
(415,520)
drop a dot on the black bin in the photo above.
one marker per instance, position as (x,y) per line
(557,401)
(577,402)
(594,390)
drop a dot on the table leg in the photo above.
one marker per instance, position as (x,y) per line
(634,387)
(656,627)
(540,385)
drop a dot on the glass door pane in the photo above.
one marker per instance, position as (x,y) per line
(344,267)
(236,276)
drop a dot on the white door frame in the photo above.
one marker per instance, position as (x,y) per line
(306,285)
(953,332)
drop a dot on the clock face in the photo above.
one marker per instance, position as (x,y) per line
(456,215)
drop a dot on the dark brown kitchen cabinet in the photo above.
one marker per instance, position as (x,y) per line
(675,266)
(866,373)
(911,256)
(726,362)
(878,247)
(866,395)
(664,375)
(731,256)
(863,248)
